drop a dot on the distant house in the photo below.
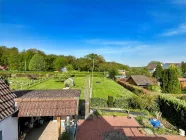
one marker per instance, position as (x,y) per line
(167,65)
(139,80)
(122,72)
(8,124)
(151,67)
(182,82)
(63,69)
(3,67)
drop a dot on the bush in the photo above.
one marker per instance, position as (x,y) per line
(174,109)
(98,102)
(110,101)
(147,102)
(154,88)
(122,102)
(65,136)
(135,89)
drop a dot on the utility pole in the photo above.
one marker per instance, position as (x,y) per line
(92,78)
(25,65)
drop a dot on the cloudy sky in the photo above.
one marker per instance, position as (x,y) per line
(131,32)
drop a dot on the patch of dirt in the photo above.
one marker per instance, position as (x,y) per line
(114,135)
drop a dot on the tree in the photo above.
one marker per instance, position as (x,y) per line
(158,72)
(154,62)
(173,83)
(112,73)
(37,63)
(14,62)
(179,72)
(69,67)
(170,82)
(98,59)
(49,62)
(165,79)
(183,67)
(60,62)
(139,71)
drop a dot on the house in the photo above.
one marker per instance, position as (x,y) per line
(35,105)
(139,80)
(121,72)
(3,67)
(182,82)
(151,67)
(8,124)
(167,65)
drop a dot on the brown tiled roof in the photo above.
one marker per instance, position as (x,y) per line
(6,101)
(47,102)
(141,80)
(47,108)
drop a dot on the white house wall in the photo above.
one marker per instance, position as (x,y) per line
(9,128)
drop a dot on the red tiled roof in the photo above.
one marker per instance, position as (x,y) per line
(6,101)
(47,108)
(182,79)
(48,102)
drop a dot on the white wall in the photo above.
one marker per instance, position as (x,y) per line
(9,127)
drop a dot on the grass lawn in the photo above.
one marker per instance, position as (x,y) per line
(101,113)
(52,84)
(102,89)
(108,87)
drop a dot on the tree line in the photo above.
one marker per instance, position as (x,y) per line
(37,60)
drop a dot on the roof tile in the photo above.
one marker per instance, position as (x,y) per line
(7,100)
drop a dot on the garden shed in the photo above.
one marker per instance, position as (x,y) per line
(182,82)
(47,103)
(139,80)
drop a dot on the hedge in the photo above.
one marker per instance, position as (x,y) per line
(122,103)
(174,109)
(98,102)
(134,88)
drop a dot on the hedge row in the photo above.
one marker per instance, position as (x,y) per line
(134,88)
(173,109)
(98,102)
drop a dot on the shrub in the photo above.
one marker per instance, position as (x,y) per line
(174,109)
(154,88)
(122,102)
(98,102)
(147,102)
(137,90)
(65,136)
(110,101)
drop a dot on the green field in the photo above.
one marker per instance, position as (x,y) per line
(103,87)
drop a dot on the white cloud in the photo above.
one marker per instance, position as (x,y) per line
(179,30)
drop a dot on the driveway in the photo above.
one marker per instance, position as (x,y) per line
(47,131)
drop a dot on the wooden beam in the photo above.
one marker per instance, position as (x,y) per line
(59,125)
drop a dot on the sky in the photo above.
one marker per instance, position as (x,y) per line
(132,32)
